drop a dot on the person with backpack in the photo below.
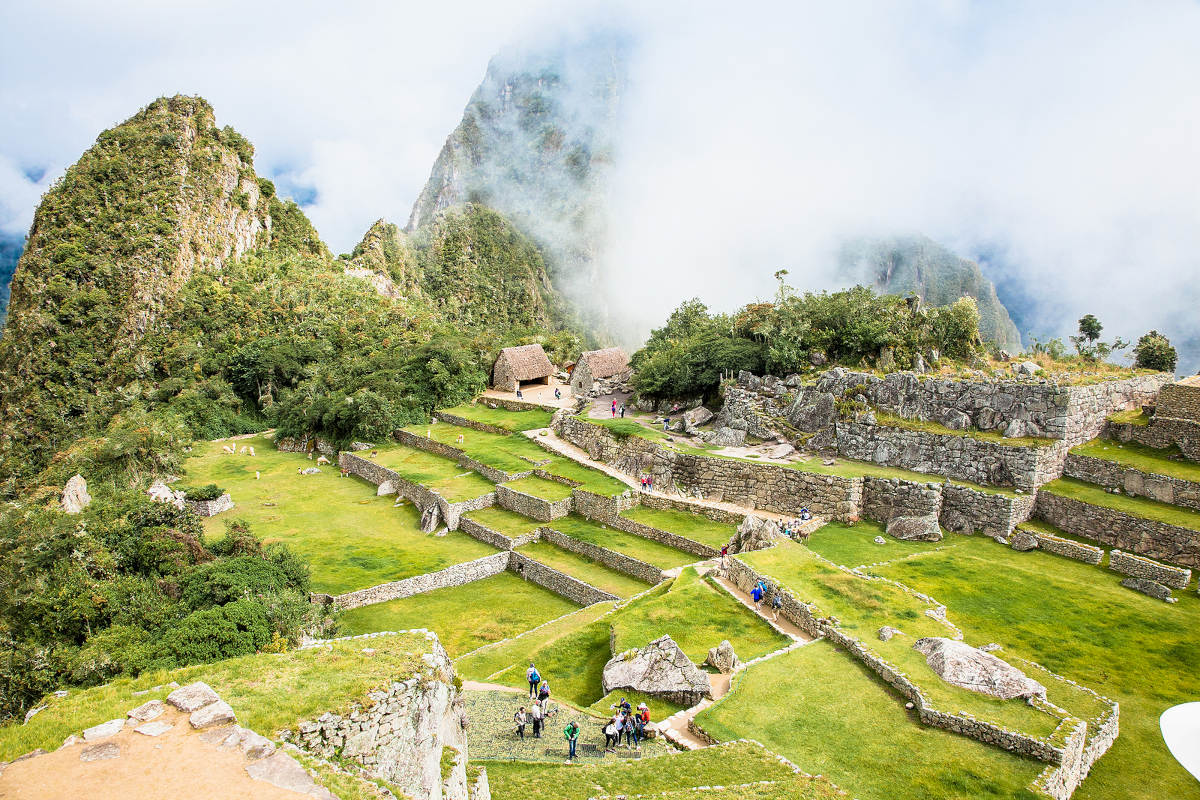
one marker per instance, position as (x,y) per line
(521,718)
(534,679)
(777,603)
(756,593)
(571,733)
(543,697)
(536,714)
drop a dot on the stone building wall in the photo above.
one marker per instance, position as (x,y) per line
(305,444)
(1087,553)
(560,583)
(666,537)
(1180,400)
(609,558)
(1138,567)
(1116,529)
(883,499)
(1160,433)
(530,506)
(455,575)
(400,733)
(510,404)
(483,533)
(601,507)
(1164,488)
(967,510)
(422,497)
(210,508)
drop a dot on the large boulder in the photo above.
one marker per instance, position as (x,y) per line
(722,658)
(968,667)
(660,669)
(697,417)
(812,411)
(922,528)
(1028,368)
(728,437)
(75,497)
(755,533)
(159,492)
(1022,541)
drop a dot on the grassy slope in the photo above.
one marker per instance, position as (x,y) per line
(585,569)
(1134,506)
(1079,622)
(854,545)
(268,692)
(682,523)
(540,487)
(1140,457)
(351,538)
(647,550)
(831,716)
(515,421)
(456,614)
(444,476)
(510,523)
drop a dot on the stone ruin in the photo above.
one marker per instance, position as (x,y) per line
(755,533)
(959,664)
(660,669)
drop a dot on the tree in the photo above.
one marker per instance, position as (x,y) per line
(1088,343)
(1154,351)
(1090,327)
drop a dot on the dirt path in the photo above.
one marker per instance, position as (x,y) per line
(541,394)
(784,626)
(484,686)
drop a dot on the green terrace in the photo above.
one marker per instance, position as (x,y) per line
(888,420)
(1169,462)
(515,421)
(1041,526)
(446,477)
(692,526)
(862,606)
(548,490)
(1134,506)
(501,520)
(854,545)
(463,617)
(647,550)
(351,538)
(269,691)
(1134,416)
(585,569)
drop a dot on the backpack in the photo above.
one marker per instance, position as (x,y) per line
(535,677)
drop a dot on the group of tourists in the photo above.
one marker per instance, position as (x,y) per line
(794,528)
(647,483)
(760,592)
(617,410)
(626,722)
(539,710)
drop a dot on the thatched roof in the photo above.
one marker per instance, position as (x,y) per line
(528,362)
(607,362)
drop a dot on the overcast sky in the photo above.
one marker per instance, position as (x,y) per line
(1064,135)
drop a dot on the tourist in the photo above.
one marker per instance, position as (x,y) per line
(805,514)
(639,731)
(622,411)
(610,735)
(536,713)
(543,696)
(519,395)
(571,732)
(534,679)
(614,408)
(521,718)
(666,422)
(625,707)
(557,394)
(777,603)
(644,713)
(757,594)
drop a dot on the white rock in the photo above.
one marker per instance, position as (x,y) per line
(154,728)
(147,711)
(213,714)
(75,497)
(386,488)
(192,697)
(960,664)
(104,729)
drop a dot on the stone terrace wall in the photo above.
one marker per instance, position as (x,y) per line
(1180,400)
(1116,529)
(483,533)
(883,499)
(530,506)
(967,510)
(438,448)
(961,457)
(665,537)
(210,508)
(671,504)
(609,558)
(561,584)
(463,422)
(1087,553)
(1163,488)
(421,497)
(1161,433)
(1090,406)
(599,507)
(456,575)
(513,405)
(1138,567)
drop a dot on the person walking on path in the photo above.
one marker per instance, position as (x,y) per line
(521,718)
(776,603)
(571,733)
(666,422)
(622,411)
(536,714)
(557,394)
(614,408)
(534,679)
(755,593)
(543,697)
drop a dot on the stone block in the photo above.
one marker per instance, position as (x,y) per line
(103,730)
(192,697)
(212,715)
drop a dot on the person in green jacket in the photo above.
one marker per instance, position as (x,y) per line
(571,732)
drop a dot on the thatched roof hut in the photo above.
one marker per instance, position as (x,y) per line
(595,365)
(517,365)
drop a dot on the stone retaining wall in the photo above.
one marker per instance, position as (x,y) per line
(671,504)
(530,506)
(560,583)
(485,534)
(1164,488)
(305,444)
(455,575)
(422,497)
(967,510)
(1138,567)
(463,422)
(514,405)
(430,445)
(1117,529)
(884,498)
(600,507)
(1087,553)
(620,562)
(210,508)
(665,537)
(1161,433)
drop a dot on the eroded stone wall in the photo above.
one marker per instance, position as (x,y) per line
(883,499)
(1160,433)
(1164,488)
(463,422)
(967,510)
(456,575)
(1116,529)
(210,508)
(1087,553)
(1139,567)
(609,558)
(423,498)
(600,507)
(666,537)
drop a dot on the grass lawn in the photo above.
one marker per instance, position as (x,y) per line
(1134,416)
(697,615)
(894,421)
(854,545)
(592,480)
(446,477)
(585,569)
(464,617)
(647,550)
(622,429)
(269,692)
(1134,506)
(1140,457)
(484,663)
(510,523)
(863,606)
(513,453)
(515,421)
(1077,620)
(540,487)
(351,538)
(831,716)
(696,527)
(742,762)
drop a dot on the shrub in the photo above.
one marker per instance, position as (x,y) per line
(228,579)
(1154,351)
(236,629)
(209,492)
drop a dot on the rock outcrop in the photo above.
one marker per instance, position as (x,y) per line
(922,528)
(722,658)
(660,669)
(755,533)
(960,664)
(75,497)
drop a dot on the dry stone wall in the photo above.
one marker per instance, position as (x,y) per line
(665,537)
(600,507)
(609,558)
(431,445)
(1114,528)
(884,498)
(455,575)
(1180,400)
(530,506)
(209,508)
(967,510)
(671,504)
(1164,488)
(483,533)
(1160,433)
(1087,553)
(463,422)
(560,583)
(422,497)
(1138,567)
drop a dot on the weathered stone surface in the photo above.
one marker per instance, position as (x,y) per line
(212,715)
(781,451)
(660,669)
(960,664)
(1140,567)
(1022,541)
(728,437)
(104,729)
(722,658)
(100,752)
(887,632)
(154,728)
(755,533)
(915,529)
(252,745)
(75,497)
(697,417)
(385,489)
(812,410)
(147,711)
(192,697)
(879,540)
(1148,587)
(210,508)
(1026,368)
(159,492)
(285,772)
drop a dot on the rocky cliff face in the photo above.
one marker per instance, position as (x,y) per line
(919,265)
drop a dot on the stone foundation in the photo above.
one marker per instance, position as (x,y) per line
(1138,567)
(1165,489)
(967,510)
(600,507)
(209,508)
(1117,529)
(530,506)
(1160,434)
